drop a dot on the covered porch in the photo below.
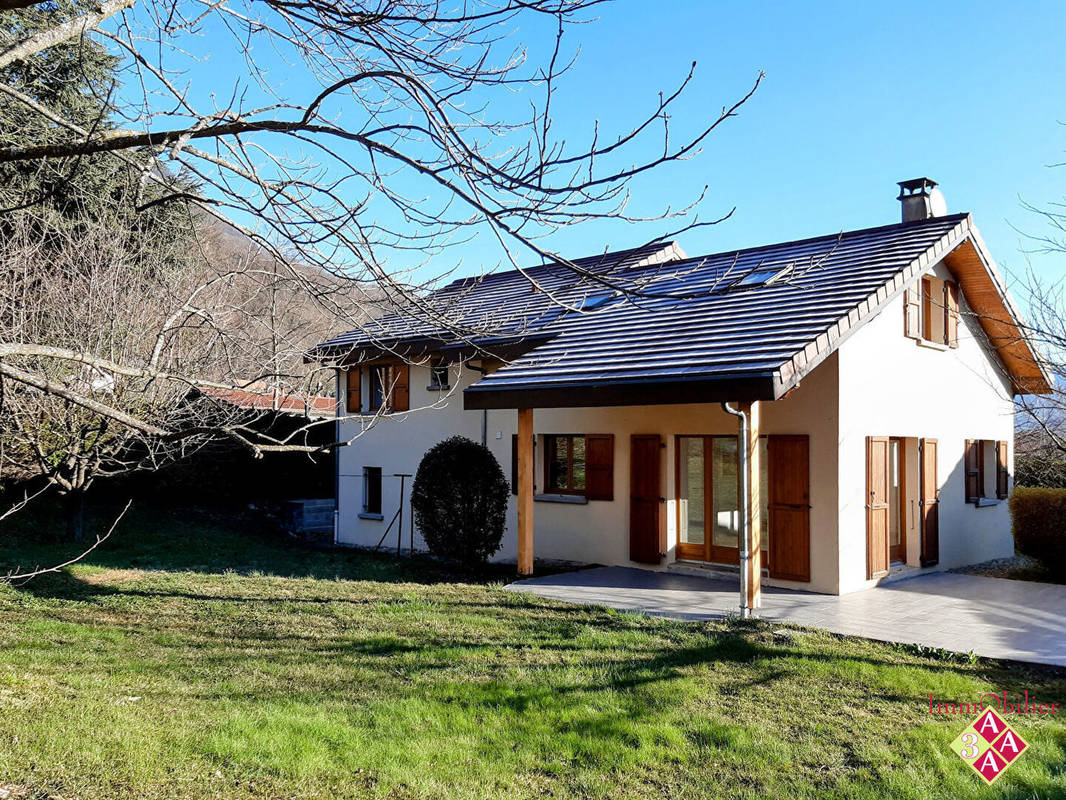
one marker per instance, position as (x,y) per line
(647,506)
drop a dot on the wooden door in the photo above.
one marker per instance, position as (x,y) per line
(930,503)
(877,508)
(788,503)
(645,497)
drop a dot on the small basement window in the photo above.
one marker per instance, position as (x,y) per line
(372,490)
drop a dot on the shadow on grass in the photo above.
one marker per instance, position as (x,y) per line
(170,540)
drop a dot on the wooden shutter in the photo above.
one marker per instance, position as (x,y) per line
(933,308)
(972,461)
(877,511)
(788,504)
(930,504)
(644,498)
(1002,471)
(514,463)
(912,316)
(401,391)
(951,318)
(599,466)
(353,402)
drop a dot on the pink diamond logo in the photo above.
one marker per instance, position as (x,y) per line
(990,726)
(1010,745)
(990,766)
(989,746)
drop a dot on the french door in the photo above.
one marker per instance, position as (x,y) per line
(708,507)
(708,491)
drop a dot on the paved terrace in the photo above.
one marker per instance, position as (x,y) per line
(992,617)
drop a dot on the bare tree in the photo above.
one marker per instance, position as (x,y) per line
(400,130)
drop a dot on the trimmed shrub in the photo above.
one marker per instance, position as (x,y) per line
(1039,521)
(459,500)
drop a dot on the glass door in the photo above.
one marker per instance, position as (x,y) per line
(725,501)
(692,497)
(708,499)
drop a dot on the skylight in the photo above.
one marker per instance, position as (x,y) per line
(761,276)
(594,301)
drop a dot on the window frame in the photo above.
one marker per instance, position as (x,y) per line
(372,492)
(979,454)
(550,445)
(919,319)
(386,380)
(435,369)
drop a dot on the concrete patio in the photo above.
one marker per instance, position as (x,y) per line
(992,617)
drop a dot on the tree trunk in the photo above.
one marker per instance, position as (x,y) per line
(75,508)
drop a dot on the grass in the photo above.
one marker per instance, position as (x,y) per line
(196,658)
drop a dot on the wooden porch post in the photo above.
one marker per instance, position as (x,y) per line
(525,491)
(754,526)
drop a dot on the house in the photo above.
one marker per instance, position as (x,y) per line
(817,414)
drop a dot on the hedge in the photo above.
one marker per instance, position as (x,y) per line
(1039,520)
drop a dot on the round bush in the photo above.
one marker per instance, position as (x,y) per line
(459,500)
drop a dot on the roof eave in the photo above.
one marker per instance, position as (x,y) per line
(581,394)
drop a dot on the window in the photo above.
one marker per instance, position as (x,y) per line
(762,275)
(931,311)
(438,376)
(987,470)
(353,397)
(595,301)
(574,464)
(564,464)
(389,388)
(372,490)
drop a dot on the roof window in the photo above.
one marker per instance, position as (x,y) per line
(762,275)
(594,301)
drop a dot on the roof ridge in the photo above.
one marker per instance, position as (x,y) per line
(673,243)
(807,240)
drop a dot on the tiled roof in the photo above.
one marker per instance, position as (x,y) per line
(687,328)
(314,406)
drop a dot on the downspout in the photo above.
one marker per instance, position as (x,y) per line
(484,411)
(745,510)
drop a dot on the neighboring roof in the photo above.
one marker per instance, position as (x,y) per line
(266,401)
(499,305)
(690,334)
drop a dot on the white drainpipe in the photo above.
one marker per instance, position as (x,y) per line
(745,507)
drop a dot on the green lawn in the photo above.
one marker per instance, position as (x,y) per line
(185,660)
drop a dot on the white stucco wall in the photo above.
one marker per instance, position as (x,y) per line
(880,383)
(596,532)
(892,386)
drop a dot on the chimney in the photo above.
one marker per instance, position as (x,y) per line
(921,200)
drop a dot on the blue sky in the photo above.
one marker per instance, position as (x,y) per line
(856,97)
